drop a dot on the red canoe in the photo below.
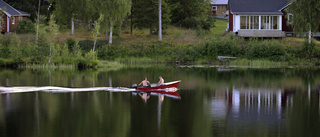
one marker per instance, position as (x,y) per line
(173,84)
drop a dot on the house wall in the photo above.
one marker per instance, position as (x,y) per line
(14,26)
(221,9)
(230,21)
(285,26)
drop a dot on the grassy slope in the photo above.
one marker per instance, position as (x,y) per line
(173,34)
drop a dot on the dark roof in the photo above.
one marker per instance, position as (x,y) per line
(10,11)
(258,7)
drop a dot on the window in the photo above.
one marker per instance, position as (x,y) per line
(265,22)
(249,22)
(290,18)
(12,20)
(214,8)
(270,22)
(20,18)
(254,23)
(275,24)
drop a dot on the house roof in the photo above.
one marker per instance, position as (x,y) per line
(258,7)
(219,2)
(10,11)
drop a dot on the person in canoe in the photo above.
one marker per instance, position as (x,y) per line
(145,82)
(161,80)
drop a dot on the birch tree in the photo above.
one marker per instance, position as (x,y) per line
(160,24)
(69,10)
(305,16)
(96,30)
(53,31)
(114,10)
(146,14)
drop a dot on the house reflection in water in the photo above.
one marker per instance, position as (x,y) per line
(251,105)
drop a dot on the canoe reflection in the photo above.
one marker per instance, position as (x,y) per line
(145,95)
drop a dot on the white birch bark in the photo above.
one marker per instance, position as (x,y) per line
(310,36)
(50,52)
(160,22)
(111,26)
(107,31)
(72,24)
(38,20)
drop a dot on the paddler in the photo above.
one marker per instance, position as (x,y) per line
(161,80)
(145,82)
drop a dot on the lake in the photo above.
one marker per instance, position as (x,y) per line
(212,101)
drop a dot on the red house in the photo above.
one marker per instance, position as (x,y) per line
(263,18)
(11,18)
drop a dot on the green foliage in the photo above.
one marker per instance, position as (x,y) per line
(71,43)
(96,30)
(86,45)
(145,14)
(1,19)
(15,47)
(229,47)
(191,13)
(272,50)
(305,15)
(91,55)
(309,50)
(26,26)
(76,51)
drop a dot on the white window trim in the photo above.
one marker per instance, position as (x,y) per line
(290,20)
(13,20)
(216,8)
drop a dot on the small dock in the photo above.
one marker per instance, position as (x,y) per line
(225,58)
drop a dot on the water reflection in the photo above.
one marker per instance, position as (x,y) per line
(213,102)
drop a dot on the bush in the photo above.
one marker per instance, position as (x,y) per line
(272,50)
(309,50)
(26,26)
(70,42)
(87,45)
(192,22)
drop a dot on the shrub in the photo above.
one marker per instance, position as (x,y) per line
(26,26)
(70,42)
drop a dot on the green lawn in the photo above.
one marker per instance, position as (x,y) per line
(221,26)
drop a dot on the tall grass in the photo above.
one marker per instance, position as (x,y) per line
(48,66)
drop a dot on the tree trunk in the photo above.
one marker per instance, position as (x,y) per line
(50,51)
(72,24)
(310,36)
(160,23)
(111,23)
(95,41)
(89,25)
(150,29)
(131,23)
(107,31)
(38,21)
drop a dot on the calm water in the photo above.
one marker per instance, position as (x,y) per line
(214,102)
